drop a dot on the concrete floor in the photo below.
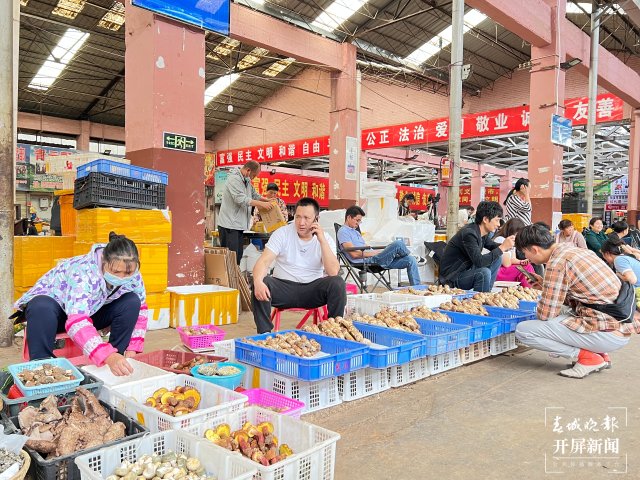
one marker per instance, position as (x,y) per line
(482,421)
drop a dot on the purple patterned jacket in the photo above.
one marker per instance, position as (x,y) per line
(79,288)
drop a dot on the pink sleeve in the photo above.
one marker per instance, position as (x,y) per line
(80,329)
(139,330)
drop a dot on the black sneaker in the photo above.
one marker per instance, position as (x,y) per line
(420,260)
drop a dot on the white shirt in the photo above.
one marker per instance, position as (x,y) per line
(296,259)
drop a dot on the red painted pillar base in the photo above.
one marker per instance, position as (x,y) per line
(164,65)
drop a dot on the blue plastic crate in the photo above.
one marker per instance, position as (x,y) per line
(510,317)
(528,306)
(123,170)
(482,328)
(337,358)
(443,337)
(399,347)
(14,370)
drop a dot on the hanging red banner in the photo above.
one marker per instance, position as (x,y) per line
(465,195)
(421,194)
(293,187)
(511,120)
(492,194)
(484,124)
(275,152)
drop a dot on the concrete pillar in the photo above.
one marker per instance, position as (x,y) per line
(344,124)
(164,65)
(506,183)
(477,186)
(82,141)
(633,204)
(547,92)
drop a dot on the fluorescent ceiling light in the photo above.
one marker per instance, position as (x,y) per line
(252,58)
(60,56)
(431,48)
(275,68)
(219,86)
(337,13)
(69,8)
(114,18)
(227,46)
(24,2)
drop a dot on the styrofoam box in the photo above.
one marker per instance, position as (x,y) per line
(413,371)
(217,462)
(363,383)
(315,395)
(475,351)
(203,305)
(431,301)
(141,372)
(314,448)
(215,402)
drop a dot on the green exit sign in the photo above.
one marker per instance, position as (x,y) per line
(175,141)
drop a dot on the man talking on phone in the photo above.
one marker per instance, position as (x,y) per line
(306,269)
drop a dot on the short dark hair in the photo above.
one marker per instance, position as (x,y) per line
(564,224)
(409,196)
(513,226)
(120,248)
(252,166)
(619,226)
(272,187)
(308,201)
(353,211)
(490,210)
(534,236)
(543,224)
(594,220)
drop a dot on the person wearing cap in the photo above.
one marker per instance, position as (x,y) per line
(271,195)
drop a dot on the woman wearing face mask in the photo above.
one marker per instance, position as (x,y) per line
(85,294)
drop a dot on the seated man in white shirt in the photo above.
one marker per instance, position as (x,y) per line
(303,253)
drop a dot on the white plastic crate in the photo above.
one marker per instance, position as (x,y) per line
(431,301)
(315,395)
(217,462)
(314,448)
(413,371)
(372,303)
(444,361)
(362,383)
(475,351)
(503,343)
(215,402)
(251,377)
(142,372)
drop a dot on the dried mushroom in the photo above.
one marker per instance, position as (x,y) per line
(170,466)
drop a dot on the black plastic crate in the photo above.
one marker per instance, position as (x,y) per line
(14,406)
(64,468)
(103,190)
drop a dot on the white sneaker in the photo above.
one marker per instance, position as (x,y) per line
(580,371)
(420,260)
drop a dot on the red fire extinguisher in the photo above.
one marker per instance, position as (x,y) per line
(446,172)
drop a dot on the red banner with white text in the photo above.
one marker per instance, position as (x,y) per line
(293,187)
(421,194)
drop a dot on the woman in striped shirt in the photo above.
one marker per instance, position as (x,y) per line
(518,202)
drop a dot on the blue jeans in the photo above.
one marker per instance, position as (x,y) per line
(397,256)
(479,279)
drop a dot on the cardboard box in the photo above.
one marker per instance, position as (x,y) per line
(215,269)
(272,219)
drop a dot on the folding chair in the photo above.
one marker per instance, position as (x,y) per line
(358,271)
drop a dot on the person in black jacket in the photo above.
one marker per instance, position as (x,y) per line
(463,264)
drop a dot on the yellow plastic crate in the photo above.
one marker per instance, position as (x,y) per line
(159,305)
(154,265)
(34,256)
(203,305)
(19,292)
(141,226)
(579,220)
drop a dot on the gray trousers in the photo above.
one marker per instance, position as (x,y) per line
(554,337)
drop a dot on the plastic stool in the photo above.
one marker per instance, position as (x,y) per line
(319,314)
(70,350)
(352,289)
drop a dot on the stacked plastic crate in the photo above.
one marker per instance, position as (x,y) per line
(130,201)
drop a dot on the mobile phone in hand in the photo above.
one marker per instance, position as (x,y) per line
(527,274)
(315,221)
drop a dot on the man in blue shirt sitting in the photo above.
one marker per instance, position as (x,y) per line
(394,256)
